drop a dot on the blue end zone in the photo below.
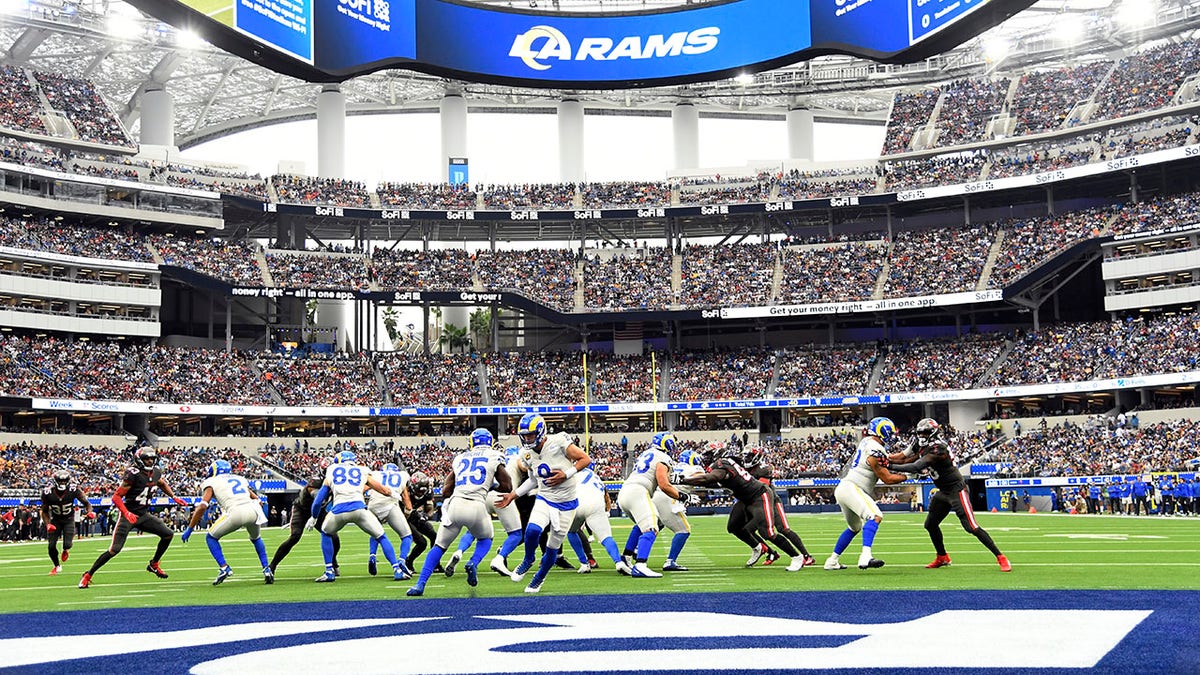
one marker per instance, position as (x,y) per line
(1161,642)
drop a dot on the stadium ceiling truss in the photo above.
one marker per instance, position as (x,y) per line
(216,94)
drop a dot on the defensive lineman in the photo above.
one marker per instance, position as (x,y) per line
(240,508)
(651,473)
(552,462)
(58,513)
(855,492)
(346,481)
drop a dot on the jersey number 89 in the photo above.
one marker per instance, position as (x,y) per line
(353,475)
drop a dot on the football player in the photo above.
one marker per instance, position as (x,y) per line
(132,500)
(509,516)
(345,483)
(673,512)
(392,510)
(552,462)
(464,497)
(240,508)
(855,492)
(302,507)
(651,472)
(755,462)
(930,452)
(594,505)
(58,513)
(420,490)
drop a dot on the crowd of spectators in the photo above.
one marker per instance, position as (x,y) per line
(1160,213)
(545,275)
(1045,98)
(556,196)
(435,269)
(721,375)
(728,275)
(637,278)
(317,270)
(29,153)
(309,190)
(830,273)
(340,379)
(429,196)
(232,261)
(910,114)
(967,108)
(436,379)
(78,100)
(740,193)
(1030,241)
(816,454)
(624,194)
(938,260)
(84,241)
(256,189)
(523,378)
(939,365)
(817,184)
(19,107)
(96,470)
(815,371)
(624,379)
(1038,157)
(82,369)
(945,170)
(185,375)
(1071,449)
(1146,80)
(1160,134)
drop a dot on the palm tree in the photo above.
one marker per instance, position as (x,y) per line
(481,327)
(455,337)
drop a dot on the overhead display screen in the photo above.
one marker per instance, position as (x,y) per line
(328,40)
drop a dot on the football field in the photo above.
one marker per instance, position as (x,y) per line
(1086,594)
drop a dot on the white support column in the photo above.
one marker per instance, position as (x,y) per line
(685,125)
(331,132)
(158,116)
(800,133)
(570,141)
(453,110)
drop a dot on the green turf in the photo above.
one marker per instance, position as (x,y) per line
(1047,552)
(220,10)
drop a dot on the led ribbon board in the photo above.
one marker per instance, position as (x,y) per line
(330,40)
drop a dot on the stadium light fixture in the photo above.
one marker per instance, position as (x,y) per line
(123,27)
(14,7)
(744,79)
(1135,14)
(995,48)
(1069,28)
(187,39)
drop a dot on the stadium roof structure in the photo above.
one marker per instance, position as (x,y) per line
(125,52)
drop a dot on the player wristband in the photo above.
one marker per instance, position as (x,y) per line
(570,472)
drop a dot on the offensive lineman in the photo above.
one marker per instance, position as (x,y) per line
(673,512)
(391,510)
(239,508)
(855,492)
(58,513)
(932,454)
(301,509)
(509,516)
(651,473)
(345,483)
(552,462)
(132,500)
(464,496)
(593,512)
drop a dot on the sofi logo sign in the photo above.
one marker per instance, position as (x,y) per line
(539,46)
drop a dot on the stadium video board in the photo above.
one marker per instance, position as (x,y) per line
(332,40)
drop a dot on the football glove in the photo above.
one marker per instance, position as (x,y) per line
(179,501)
(91,515)
(50,527)
(186,535)
(675,478)
(131,517)
(312,522)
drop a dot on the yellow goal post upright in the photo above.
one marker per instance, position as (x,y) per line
(587,441)
(654,392)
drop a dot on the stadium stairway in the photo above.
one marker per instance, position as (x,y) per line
(579,298)
(382,384)
(881,283)
(294,482)
(261,258)
(1000,359)
(993,254)
(485,394)
(154,254)
(677,274)
(275,395)
(876,372)
(776,280)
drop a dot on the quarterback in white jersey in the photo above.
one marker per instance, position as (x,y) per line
(593,512)
(672,513)
(855,492)
(464,505)
(347,482)
(240,508)
(391,510)
(651,473)
(552,462)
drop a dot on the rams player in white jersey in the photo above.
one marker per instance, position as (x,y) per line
(239,508)
(855,492)
(391,510)
(552,462)
(509,516)
(465,495)
(673,512)
(651,473)
(593,512)
(345,483)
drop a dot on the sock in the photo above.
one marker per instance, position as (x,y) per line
(510,543)
(405,546)
(677,543)
(337,546)
(163,543)
(611,546)
(843,541)
(548,560)
(54,554)
(869,529)
(431,562)
(374,546)
(533,533)
(388,551)
(576,543)
(100,562)
(214,547)
(465,542)
(645,543)
(261,549)
(631,542)
(327,551)
(482,548)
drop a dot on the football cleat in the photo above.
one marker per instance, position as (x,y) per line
(624,569)
(939,561)
(54,572)
(535,585)
(497,565)
(772,556)
(327,578)
(404,569)
(157,570)
(1005,566)
(797,564)
(592,563)
(454,558)
(519,573)
(564,564)
(672,566)
(415,591)
(224,574)
(86,580)
(869,563)
(337,571)
(809,561)
(472,574)
(642,571)
(759,552)
(65,554)
(834,564)
(372,566)
(584,569)
(268,576)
